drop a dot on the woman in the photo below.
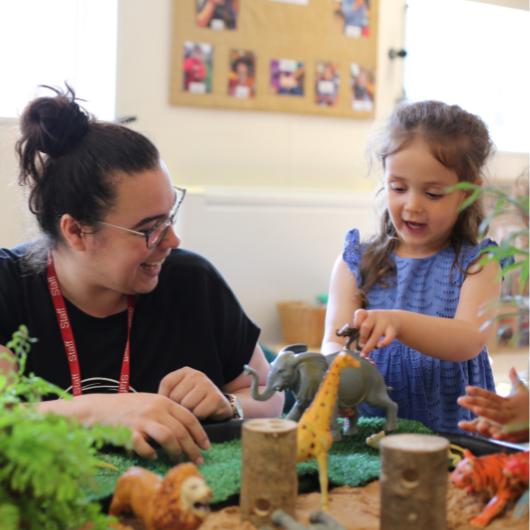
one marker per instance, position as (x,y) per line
(115,305)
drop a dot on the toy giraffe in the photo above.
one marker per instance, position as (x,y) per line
(314,427)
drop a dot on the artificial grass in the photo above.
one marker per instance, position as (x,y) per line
(351,463)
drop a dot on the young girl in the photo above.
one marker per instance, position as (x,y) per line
(416,291)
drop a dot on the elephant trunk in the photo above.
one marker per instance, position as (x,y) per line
(254,387)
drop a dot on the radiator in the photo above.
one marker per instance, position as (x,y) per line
(272,244)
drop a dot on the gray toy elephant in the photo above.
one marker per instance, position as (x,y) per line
(300,371)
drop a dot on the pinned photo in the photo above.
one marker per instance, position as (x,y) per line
(287,77)
(197,67)
(326,83)
(241,79)
(217,14)
(362,87)
(355,17)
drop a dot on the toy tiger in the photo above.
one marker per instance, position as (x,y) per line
(502,478)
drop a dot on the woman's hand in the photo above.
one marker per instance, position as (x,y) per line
(151,417)
(377,328)
(195,391)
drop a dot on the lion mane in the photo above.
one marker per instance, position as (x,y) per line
(157,501)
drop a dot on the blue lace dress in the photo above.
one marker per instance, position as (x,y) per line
(425,388)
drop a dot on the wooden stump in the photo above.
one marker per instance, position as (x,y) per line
(413,482)
(268,475)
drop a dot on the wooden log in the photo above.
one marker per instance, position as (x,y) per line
(268,474)
(413,482)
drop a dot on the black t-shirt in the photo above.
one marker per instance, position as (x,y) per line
(191,318)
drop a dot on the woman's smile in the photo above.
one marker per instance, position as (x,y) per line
(152,269)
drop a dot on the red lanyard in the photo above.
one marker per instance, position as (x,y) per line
(68,337)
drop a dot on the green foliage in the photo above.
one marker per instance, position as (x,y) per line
(46,461)
(22,387)
(513,248)
(509,247)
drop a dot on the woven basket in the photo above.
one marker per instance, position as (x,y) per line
(302,322)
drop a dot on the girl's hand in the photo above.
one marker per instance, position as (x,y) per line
(151,417)
(377,328)
(481,426)
(489,429)
(503,418)
(195,391)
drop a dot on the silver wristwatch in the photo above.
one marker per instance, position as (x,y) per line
(235,404)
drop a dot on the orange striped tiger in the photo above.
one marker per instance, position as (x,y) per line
(501,477)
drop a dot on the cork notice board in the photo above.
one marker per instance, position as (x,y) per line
(302,56)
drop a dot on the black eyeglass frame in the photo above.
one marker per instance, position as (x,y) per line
(162,225)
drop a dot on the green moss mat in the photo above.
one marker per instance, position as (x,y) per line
(351,463)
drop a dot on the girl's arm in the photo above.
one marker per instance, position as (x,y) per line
(343,300)
(452,339)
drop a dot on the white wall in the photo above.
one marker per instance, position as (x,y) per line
(205,147)
(232,148)
(218,147)
(273,245)
(15,220)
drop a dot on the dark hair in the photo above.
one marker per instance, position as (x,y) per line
(68,159)
(458,140)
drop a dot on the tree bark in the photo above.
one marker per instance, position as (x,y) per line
(413,482)
(268,475)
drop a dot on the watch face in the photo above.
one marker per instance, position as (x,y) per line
(237,410)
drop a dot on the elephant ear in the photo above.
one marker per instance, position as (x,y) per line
(294,348)
(284,359)
(311,374)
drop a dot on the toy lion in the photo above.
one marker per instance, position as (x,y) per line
(178,500)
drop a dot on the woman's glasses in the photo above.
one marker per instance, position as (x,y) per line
(153,236)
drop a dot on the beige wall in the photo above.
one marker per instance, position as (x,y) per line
(218,147)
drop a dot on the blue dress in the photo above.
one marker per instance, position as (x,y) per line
(425,388)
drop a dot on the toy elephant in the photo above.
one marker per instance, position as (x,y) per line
(301,371)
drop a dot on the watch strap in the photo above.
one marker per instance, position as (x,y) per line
(237,410)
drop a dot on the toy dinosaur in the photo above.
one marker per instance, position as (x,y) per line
(319,521)
(179,500)
(313,434)
(502,478)
(301,372)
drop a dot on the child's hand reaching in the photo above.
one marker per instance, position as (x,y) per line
(377,328)
(502,418)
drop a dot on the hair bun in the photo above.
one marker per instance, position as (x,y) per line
(57,123)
